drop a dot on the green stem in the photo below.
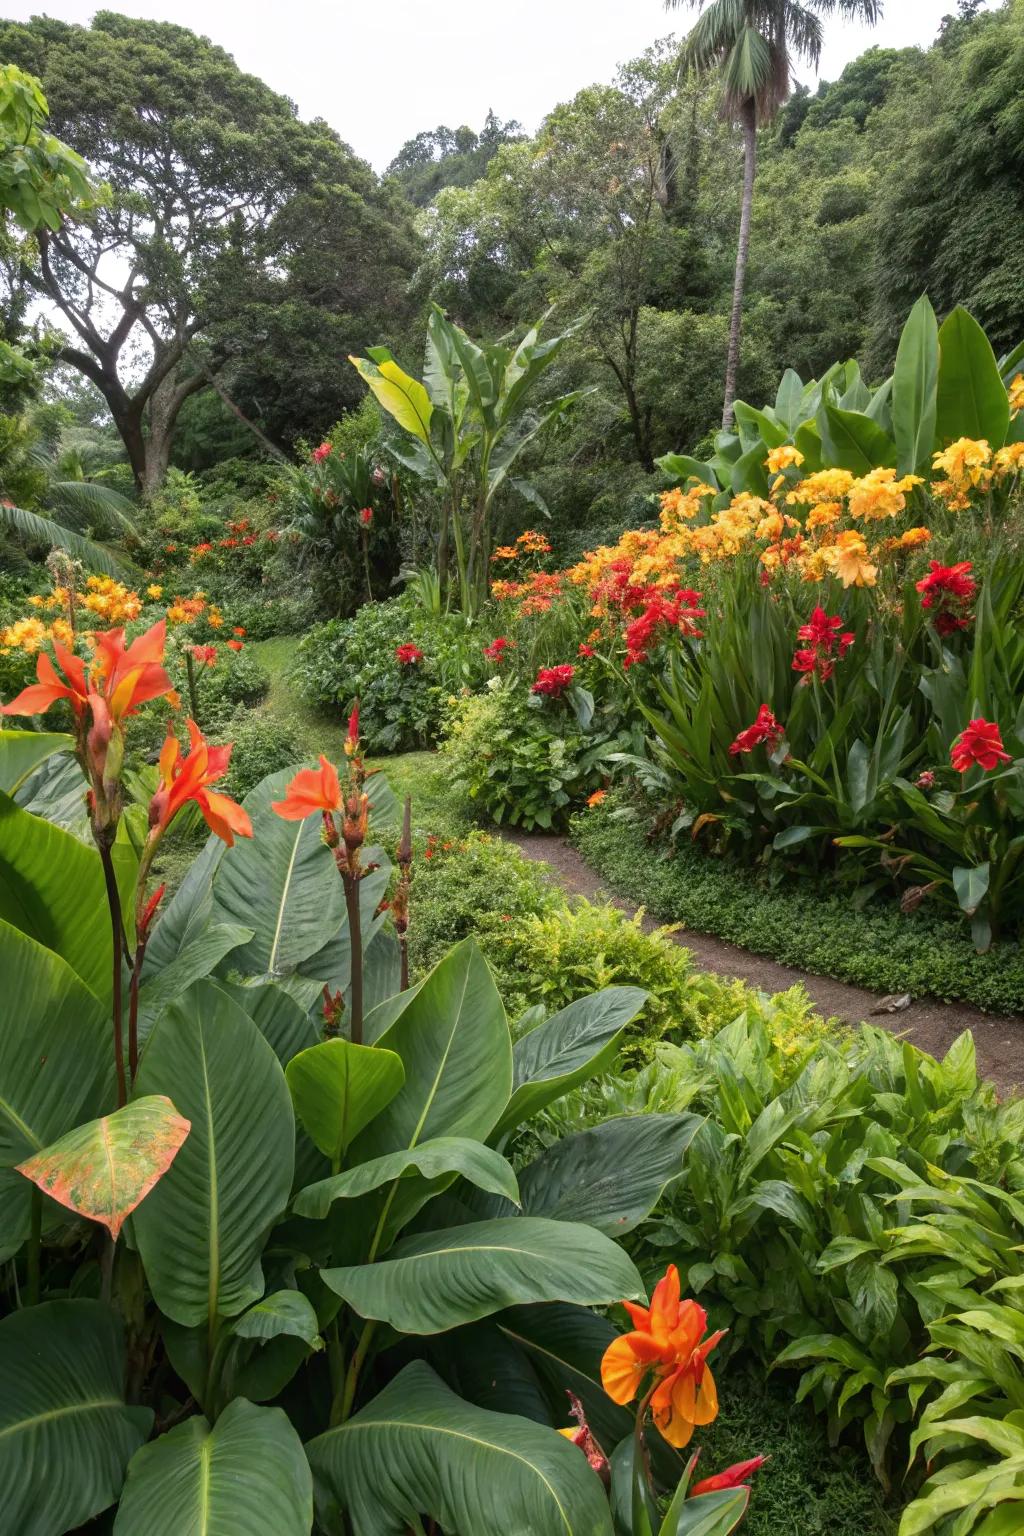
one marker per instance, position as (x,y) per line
(355,935)
(116,925)
(35,1243)
(193,693)
(366,564)
(340,1411)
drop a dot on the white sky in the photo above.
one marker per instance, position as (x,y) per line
(379,71)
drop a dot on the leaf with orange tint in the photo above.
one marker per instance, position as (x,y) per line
(104,1169)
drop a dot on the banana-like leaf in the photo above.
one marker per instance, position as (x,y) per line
(611,1175)
(283,1313)
(402,396)
(574,1044)
(282,883)
(482,1166)
(66,1433)
(104,1169)
(52,888)
(452,1037)
(247,1476)
(338,1088)
(202,1229)
(853,441)
(43,530)
(915,389)
(278,1017)
(23,751)
(56,1065)
(195,961)
(443,1279)
(417,1449)
(972,399)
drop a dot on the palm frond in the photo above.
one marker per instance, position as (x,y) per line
(42,530)
(805,32)
(101,504)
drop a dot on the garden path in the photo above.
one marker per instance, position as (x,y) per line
(929,1023)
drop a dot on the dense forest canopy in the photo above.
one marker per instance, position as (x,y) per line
(239,254)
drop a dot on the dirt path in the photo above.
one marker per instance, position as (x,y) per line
(929,1024)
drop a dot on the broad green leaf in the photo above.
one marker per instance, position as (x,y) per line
(971,886)
(915,389)
(337,1089)
(247,1476)
(755,424)
(972,398)
(282,883)
(197,959)
(452,1037)
(788,399)
(682,469)
(574,1044)
(402,397)
(417,1449)
(440,1280)
(278,1017)
(978,1489)
(482,1166)
(710,1514)
(853,441)
(66,1433)
(610,1175)
(281,1313)
(103,1170)
(188,913)
(56,1065)
(202,1229)
(52,888)
(22,751)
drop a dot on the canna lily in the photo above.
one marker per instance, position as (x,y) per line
(127,676)
(982,743)
(188,778)
(733,1477)
(39,696)
(312,790)
(666,1354)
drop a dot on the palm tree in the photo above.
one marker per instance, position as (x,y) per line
(752,43)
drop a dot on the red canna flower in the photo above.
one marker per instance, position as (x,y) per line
(825,645)
(765,729)
(321,453)
(239,630)
(233,645)
(949,590)
(733,1477)
(206,655)
(667,1347)
(188,778)
(585,649)
(365,517)
(553,681)
(980,743)
(497,648)
(312,790)
(408,654)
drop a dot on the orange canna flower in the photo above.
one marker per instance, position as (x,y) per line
(311,791)
(668,1348)
(127,676)
(50,687)
(188,778)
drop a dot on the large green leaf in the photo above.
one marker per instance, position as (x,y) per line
(66,1434)
(103,1170)
(972,398)
(402,397)
(283,1313)
(278,1017)
(417,1449)
(56,1065)
(914,389)
(202,1229)
(610,1175)
(197,959)
(22,751)
(52,888)
(452,1037)
(440,1280)
(681,468)
(853,441)
(247,1476)
(566,1049)
(338,1088)
(282,883)
(482,1166)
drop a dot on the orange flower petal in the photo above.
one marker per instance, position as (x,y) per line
(625,1363)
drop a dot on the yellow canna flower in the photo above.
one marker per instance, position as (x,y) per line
(1009,460)
(154,591)
(1016,393)
(879,494)
(848,559)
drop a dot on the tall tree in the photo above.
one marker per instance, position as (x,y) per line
(213,184)
(752,44)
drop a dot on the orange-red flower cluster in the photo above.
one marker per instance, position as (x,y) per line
(408,654)
(553,681)
(666,1356)
(662,615)
(950,591)
(184,778)
(825,643)
(765,730)
(496,650)
(979,743)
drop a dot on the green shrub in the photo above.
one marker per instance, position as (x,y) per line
(233,681)
(804,923)
(263,617)
(401,705)
(520,765)
(262,745)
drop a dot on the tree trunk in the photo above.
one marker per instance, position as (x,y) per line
(749,125)
(164,404)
